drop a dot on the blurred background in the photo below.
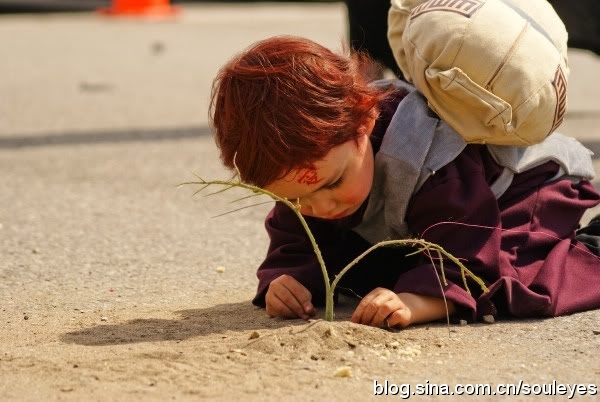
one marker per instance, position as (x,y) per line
(67,66)
(366,17)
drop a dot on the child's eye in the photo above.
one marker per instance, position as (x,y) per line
(335,184)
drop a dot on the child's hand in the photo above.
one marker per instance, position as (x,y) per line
(288,298)
(382,307)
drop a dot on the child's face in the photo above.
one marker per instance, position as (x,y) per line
(337,186)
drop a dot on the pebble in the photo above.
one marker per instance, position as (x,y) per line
(329,331)
(343,371)
(220,269)
(85,86)
(240,351)
(488,319)
(103,319)
(254,335)
(26,317)
(596,331)
(158,47)
(463,322)
(409,351)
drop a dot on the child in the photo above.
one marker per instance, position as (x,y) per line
(370,162)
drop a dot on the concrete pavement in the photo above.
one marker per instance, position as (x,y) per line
(82,72)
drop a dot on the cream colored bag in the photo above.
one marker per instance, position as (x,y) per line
(494,70)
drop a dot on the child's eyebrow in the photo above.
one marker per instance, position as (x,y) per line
(333,178)
(338,174)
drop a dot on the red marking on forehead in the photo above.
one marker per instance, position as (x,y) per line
(309,177)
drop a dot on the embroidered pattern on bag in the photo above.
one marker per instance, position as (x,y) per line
(560,86)
(463,7)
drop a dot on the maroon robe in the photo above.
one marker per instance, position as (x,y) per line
(525,252)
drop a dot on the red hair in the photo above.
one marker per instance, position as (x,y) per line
(285,102)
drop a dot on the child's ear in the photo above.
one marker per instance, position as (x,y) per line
(366,126)
(363,129)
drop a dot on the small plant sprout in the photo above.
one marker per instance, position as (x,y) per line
(330,286)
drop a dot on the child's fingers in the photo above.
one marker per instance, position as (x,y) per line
(277,308)
(283,304)
(369,305)
(300,293)
(360,309)
(370,310)
(279,294)
(399,318)
(385,304)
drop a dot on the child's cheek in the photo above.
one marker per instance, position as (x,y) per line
(355,194)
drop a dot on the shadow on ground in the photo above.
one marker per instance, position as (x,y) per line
(242,317)
(192,323)
(236,317)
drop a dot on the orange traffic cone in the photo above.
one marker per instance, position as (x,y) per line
(144,8)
